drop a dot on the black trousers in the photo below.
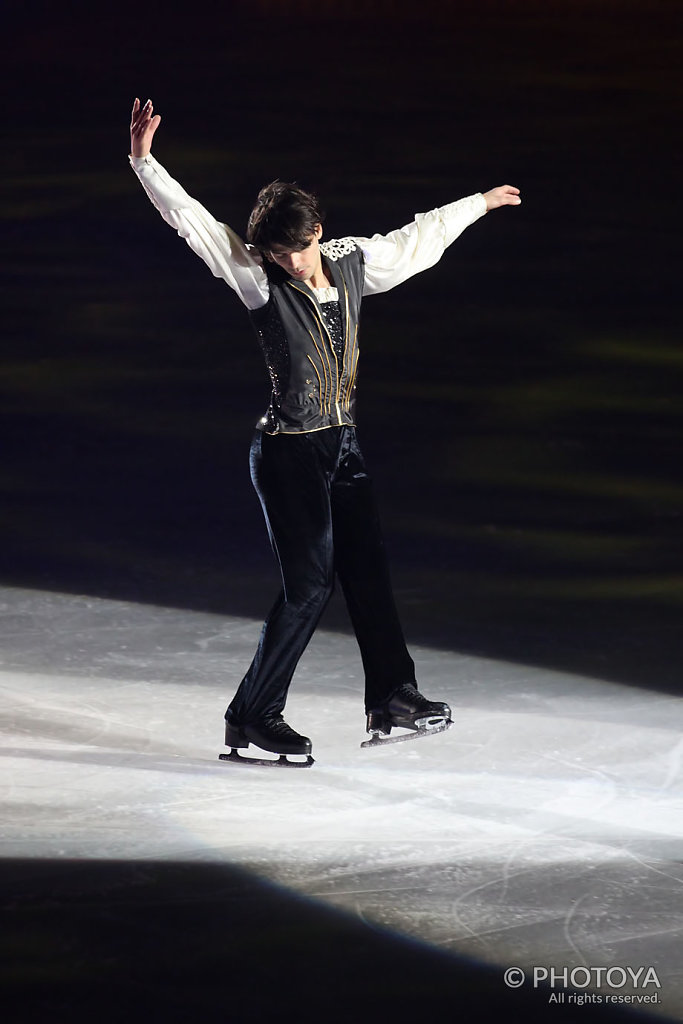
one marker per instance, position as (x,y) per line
(318,502)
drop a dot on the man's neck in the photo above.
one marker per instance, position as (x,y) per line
(319,278)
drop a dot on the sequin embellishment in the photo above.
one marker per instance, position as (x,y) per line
(333,321)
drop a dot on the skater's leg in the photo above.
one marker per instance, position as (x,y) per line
(361,564)
(292,481)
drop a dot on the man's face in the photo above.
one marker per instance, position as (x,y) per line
(300,264)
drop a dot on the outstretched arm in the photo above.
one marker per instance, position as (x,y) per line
(393,258)
(224,253)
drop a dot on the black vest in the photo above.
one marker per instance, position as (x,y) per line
(313,379)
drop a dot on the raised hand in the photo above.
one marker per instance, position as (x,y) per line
(504,195)
(142,128)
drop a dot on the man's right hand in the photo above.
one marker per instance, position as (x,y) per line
(142,128)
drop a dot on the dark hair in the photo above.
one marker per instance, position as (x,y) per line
(285,216)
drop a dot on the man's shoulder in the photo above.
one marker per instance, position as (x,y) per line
(336,248)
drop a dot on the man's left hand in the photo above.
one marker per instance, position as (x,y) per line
(504,195)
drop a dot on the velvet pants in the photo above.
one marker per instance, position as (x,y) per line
(320,511)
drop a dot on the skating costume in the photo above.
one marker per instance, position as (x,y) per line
(306,465)
(309,339)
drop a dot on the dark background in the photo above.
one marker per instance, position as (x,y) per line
(519,403)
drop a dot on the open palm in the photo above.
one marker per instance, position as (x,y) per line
(142,127)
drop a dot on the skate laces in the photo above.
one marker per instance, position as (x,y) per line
(278,727)
(411,695)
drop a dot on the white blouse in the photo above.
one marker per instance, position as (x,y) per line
(389,259)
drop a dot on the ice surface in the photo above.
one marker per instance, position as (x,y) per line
(544,828)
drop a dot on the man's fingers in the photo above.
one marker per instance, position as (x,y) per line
(144,123)
(508,195)
(140,116)
(503,195)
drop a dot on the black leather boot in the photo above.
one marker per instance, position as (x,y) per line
(407,709)
(269,734)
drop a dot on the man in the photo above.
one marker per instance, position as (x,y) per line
(304,299)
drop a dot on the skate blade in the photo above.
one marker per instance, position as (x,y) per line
(417,734)
(267,762)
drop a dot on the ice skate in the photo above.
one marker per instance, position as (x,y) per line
(406,709)
(271,734)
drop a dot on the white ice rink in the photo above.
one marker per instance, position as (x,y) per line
(544,829)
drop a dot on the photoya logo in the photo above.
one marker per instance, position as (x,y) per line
(585,977)
(596,977)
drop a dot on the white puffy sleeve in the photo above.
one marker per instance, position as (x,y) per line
(393,258)
(224,253)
